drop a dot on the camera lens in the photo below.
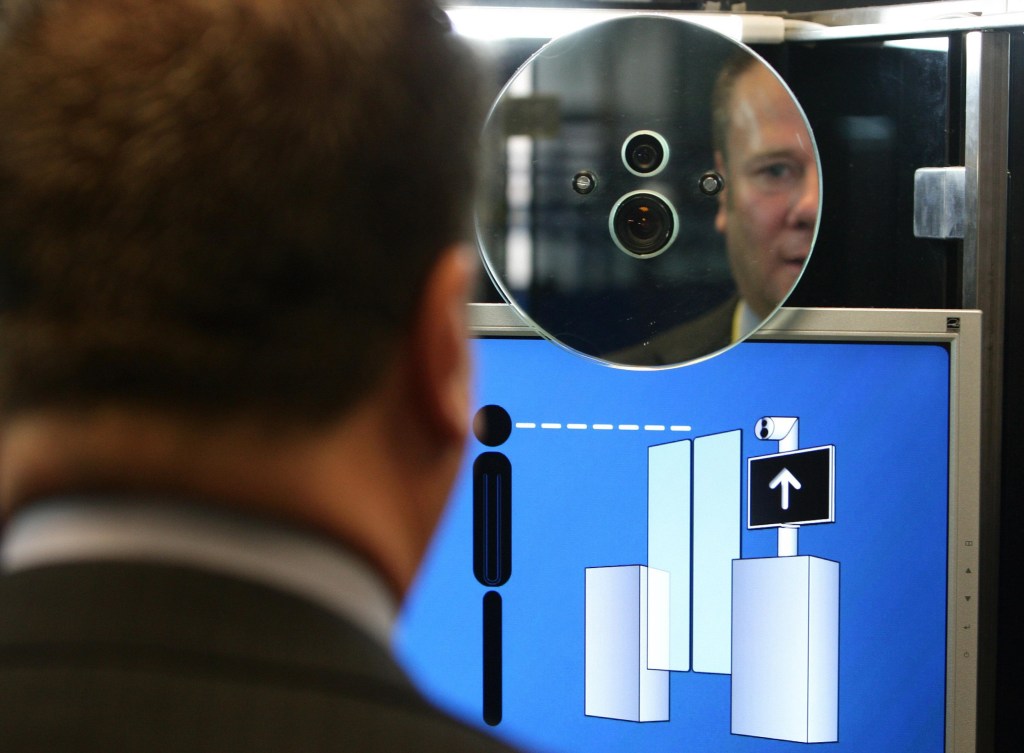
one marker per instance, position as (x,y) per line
(645,153)
(643,224)
(644,157)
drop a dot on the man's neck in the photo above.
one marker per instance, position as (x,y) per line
(744,321)
(183,532)
(335,480)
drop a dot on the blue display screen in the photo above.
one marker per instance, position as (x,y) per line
(636,609)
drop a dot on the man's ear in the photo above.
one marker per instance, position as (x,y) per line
(721,217)
(441,366)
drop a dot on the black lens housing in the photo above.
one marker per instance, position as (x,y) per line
(643,224)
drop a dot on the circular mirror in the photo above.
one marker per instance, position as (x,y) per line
(651,191)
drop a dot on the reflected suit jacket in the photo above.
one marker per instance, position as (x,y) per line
(697,338)
(115,656)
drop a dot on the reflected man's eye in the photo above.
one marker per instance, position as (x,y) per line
(777,171)
(777,174)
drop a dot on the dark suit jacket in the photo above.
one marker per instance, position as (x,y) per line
(138,657)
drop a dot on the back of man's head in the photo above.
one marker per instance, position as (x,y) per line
(222,207)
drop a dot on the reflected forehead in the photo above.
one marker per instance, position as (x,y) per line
(764,117)
(758,99)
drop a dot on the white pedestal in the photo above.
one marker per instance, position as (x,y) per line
(785,649)
(618,683)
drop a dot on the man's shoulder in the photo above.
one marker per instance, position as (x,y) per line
(167,658)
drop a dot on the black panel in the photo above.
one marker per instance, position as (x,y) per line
(1009,688)
(878,113)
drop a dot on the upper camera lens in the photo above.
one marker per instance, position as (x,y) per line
(645,153)
(643,224)
(644,157)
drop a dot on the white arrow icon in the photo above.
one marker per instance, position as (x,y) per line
(785,479)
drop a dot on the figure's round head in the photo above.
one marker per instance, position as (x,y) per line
(769,206)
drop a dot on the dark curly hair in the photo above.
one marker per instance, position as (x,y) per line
(223,206)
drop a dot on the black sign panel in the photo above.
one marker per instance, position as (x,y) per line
(791,488)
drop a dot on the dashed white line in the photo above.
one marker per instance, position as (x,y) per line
(605,427)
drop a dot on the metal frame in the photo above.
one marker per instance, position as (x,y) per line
(986,144)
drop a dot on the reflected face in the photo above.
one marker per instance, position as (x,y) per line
(769,206)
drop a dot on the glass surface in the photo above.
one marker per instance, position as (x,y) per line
(651,193)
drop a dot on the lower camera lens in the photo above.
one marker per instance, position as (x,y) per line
(643,224)
(644,153)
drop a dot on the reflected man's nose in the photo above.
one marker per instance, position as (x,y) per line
(804,211)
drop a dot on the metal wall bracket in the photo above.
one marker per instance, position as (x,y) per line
(939,202)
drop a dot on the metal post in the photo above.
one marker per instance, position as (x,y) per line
(986,135)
